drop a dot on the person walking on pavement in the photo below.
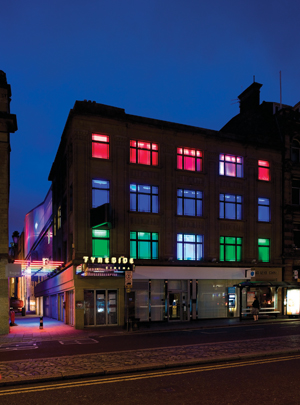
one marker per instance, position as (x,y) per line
(255,309)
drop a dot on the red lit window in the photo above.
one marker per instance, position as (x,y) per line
(189,159)
(230,165)
(144,153)
(263,170)
(100,146)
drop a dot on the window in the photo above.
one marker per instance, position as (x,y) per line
(296,232)
(144,245)
(143,198)
(189,159)
(189,202)
(59,217)
(263,170)
(230,165)
(100,192)
(100,240)
(295,152)
(100,146)
(230,206)
(264,250)
(230,249)
(189,247)
(145,153)
(263,209)
(296,191)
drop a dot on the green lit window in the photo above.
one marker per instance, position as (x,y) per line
(264,250)
(144,245)
(100,242)
(230,249)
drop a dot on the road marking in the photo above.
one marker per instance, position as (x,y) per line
(145,375)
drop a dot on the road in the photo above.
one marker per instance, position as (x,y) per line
(102,344)
(267,381)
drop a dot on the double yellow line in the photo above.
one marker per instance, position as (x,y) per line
(145,375)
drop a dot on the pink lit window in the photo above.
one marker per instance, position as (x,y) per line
(144,153)
(230,165)
(100,146)
(189,159)
(263,170)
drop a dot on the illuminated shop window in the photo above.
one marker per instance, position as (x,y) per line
(100,146)
(230,249)
(143,198)
(189,202)
(144,153)
(144,245)
(264,209)
(296,191)
(230,165)
(264,250)
(230,206)
(100,240)
(263,170)
(189,246)
(100,192)
(189,159)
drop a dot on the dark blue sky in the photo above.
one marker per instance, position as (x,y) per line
(182,60)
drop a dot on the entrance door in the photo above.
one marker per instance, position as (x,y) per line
(178,309)
(100,307)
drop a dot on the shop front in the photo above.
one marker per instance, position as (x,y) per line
(170,294)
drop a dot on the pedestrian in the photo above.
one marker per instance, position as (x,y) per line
(255,309)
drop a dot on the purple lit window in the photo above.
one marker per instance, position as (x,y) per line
(189,159)
(144,153)
(230,165)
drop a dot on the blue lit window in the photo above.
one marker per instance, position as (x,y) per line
(230,165)
(143,198)
(144,245)
(100,192)
(189,246)
(230,206)
(189,202)
(264,209)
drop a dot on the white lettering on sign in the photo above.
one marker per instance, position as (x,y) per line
(112,260)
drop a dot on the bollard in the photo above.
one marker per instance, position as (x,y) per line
(41,322)
(12,318)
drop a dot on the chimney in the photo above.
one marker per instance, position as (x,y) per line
(249,99)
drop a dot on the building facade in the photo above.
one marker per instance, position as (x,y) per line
(160,221)
(8,125)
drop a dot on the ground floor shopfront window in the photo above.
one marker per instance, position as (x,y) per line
(100,307)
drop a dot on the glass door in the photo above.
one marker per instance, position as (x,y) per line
(100,307)
(174,306)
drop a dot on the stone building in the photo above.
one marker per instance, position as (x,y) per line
(160,221)
(8,125)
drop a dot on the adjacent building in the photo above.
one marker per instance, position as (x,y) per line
(8,125)
(160,221)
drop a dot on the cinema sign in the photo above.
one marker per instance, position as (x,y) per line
(108,260)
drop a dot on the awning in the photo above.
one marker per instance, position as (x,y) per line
(276,284)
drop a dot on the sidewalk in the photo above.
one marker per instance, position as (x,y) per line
(54,368)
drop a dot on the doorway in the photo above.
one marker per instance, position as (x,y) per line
(100,307)
(178,308)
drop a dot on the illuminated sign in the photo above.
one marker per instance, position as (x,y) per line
(293,302)
(108,260)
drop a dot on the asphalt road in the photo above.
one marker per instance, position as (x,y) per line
(266,381)
(135,341)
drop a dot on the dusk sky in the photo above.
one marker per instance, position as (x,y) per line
(181,61)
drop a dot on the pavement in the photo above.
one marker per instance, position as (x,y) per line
(27,333)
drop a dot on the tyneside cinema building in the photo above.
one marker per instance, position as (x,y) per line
(159,221)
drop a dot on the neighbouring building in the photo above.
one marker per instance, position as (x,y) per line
(8,125)
(161,221)
(278,122)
